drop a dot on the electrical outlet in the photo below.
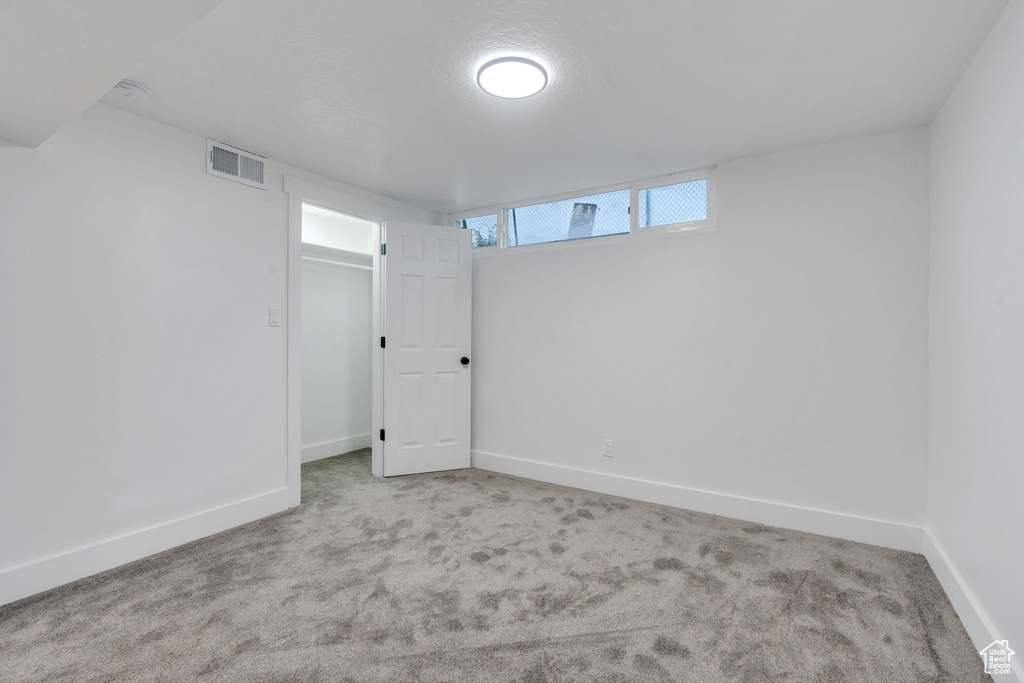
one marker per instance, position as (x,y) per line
(609,448)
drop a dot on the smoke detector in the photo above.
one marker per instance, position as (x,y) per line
(128,91)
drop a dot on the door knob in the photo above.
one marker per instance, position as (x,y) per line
(465,361)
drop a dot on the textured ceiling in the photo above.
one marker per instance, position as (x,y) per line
(58,57)
(382,95)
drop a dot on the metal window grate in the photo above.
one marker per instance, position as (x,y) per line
(668,204)
(594,215)
(485,230)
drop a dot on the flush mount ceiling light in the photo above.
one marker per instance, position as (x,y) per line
(512,77)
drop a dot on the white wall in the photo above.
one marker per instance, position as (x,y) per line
(142,392)
(336,230)
(976,425)
(336,359)
(780,358)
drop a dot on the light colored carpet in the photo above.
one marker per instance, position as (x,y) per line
(471,575)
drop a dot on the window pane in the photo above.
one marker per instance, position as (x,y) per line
(595,215)
(682,203)
(485,229)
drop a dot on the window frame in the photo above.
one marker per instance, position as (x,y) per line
(635,231)
(674,179)
(454,218)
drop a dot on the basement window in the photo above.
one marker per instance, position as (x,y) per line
(594,215)
(681,202)
(672,204)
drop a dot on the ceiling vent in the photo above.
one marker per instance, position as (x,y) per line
(235,164)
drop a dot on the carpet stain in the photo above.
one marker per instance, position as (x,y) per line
(669,564)
(668,647)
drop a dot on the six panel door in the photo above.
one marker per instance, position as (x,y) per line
(427,360)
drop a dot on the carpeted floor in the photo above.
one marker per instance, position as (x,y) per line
(470,575)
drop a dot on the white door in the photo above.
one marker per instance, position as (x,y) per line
(427,313)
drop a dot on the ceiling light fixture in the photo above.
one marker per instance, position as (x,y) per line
(512,77)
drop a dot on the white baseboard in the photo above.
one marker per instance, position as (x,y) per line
(332,448)
(861,529)
(50,572)
(975,620)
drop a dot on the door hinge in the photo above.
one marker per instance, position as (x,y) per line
(382,342)
(383,248)
(382,435)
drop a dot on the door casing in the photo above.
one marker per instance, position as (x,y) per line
(302,191)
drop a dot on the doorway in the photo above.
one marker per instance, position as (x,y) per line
(337,331)
(425,292)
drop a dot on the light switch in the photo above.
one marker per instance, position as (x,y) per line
(275,317)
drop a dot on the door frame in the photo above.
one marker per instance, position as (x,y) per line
(302,191)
